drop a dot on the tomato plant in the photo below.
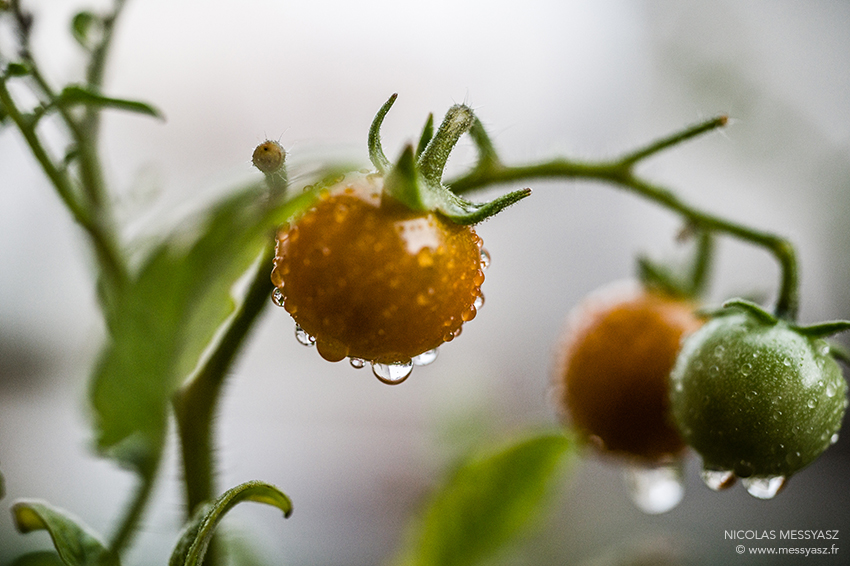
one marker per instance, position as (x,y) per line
(383,265)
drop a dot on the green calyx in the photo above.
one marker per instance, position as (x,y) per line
(415,179)
(818,330)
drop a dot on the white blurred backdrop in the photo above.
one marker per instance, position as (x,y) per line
(582,78)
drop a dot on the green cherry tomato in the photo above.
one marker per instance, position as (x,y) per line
(756,397)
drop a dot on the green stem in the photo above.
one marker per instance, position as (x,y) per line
(674,139)
(195,404)
(619,172)
(108,254)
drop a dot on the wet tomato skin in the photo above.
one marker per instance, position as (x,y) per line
(371,279)
(755,398)
(614,366)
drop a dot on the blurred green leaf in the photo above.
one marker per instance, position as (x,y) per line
(39,559)
(82,26)
(487,503)
(195,540)
(2,487)
(73,541)
(164,320)
(17,70)
(76,94)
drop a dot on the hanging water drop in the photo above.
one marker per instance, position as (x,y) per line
(357,363)
(425,358)
(303,338)
(834,438)
(392,374)
(764,487)
(479,301)
(485,259)
(657,489)
(717,480)
(278,296)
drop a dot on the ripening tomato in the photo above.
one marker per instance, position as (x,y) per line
(614,366)
(371,279)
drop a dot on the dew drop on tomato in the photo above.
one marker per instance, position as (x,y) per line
(278,297)
(425,358)
(303,338)
(716,479)
(655,489)
(485,259)
(392,374)
(764,487)
(479,301)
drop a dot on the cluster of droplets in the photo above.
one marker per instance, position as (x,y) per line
(761,487)
(658,489)
(393,373)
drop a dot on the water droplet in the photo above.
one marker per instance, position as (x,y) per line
(746,369)
(834,438)
(340,212)
(469,313)
(425,258)
(764,487)
(392,374)
(357,363)
(278,297)
(485,259)
(479,301)
(657,489)
(719,351)
(425,358)
(812,403)
(786,362)
(830,390)
(718,480)
(713,371)
(304,338)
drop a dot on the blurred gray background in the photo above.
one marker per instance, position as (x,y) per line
(582,78)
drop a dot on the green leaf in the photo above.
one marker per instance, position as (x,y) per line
(76,94)
(195,540)
(17,70)
(166,318)
(44,558)
(488,502)
(73,541)
(82,26)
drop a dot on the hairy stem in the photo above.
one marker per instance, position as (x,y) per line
(195,404)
